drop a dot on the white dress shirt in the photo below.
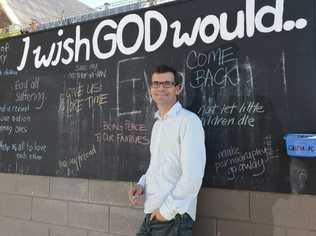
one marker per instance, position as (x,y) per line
(174,176)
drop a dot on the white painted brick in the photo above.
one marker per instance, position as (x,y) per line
(234,228)
(109,192)
(204,227)
(125,221)
(14,227)
(49,211)
(15,206)
(66,231)
(92,233)
(297,232)
(69,188)
(89,216)
(7,183)
(32,185)
(225,204)
(280,209)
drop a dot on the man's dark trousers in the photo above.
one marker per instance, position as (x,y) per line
(181,225)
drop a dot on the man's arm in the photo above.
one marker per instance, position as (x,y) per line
(136,191)
(193,160)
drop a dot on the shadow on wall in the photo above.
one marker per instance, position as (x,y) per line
(302,173)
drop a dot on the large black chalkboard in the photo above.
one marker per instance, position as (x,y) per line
(74,100)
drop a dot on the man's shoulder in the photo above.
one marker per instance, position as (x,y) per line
(189,115)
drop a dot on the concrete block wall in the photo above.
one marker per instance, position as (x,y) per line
(53,206)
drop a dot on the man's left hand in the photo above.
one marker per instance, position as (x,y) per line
(156,215)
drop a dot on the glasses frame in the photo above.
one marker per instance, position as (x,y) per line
(164,84)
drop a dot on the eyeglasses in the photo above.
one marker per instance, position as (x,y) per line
(165,84)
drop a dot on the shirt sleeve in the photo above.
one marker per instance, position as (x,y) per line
(142,181)
(192,158)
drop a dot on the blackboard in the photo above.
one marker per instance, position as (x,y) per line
(74,100)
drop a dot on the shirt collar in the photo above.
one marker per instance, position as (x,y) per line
(172,112)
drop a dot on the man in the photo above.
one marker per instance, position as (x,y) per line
(174,177)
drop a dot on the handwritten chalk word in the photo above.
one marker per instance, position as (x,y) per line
(6,128)
(19,109)
(217,121)
(21,119)
(217,57)
(125,126)
(70,105)
(99,74)
(38,98)
(224,76)
(131,126)
(83,89)
(31,156)
(4,53)
(251,107)
(78,160)
(228,109)
(21,85)
(231,151)
(20,129)
(112,127)
(35,146)
(117,138)
(8,72)
(132,139)
(246,120)
(4,147)
(86,67)
(258,166)
(27,84)
(67,50)
(4,118)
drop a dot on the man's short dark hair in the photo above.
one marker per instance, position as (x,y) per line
(160,69)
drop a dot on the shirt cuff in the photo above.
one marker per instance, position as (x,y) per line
(142,181)
(167,213)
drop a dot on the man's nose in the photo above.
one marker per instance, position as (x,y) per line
(161,87)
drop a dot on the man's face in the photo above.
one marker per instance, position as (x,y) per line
(165,94)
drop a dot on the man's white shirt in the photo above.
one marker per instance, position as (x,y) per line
(174,176)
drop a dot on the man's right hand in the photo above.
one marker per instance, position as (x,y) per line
(134,193)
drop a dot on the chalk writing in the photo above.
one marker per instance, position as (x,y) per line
(14,124)
(125,132)
(4,53)
(89,95)
(14,108)
(8,73)
(6,128)
(88,71)
(25,150)
(218,67)
(27,91)
(230,115)
(231,162)
(78,160)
